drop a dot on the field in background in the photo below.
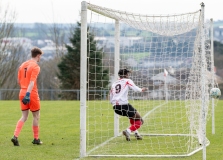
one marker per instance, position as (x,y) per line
(59,130)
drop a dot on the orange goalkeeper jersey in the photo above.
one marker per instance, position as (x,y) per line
(28,71)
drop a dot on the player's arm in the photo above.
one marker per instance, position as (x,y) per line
(33,78)
(30,86)
(136,88)
(144,89)
(26,99)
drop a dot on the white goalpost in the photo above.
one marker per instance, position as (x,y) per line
(171,55)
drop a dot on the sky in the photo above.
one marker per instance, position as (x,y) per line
(68,11)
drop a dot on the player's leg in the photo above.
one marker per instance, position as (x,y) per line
(122,111)
(19,126)
(135,121)
(135,128)
(130,113)
(36,116)
(35,108)
(137,135)
(20,123)
(134,118)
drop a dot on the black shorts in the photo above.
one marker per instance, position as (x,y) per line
(125,110)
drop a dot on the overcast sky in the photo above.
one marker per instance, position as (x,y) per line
(67,11)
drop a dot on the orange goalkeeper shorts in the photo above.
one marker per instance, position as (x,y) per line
(33,105)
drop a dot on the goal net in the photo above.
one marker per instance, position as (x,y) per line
(171,56)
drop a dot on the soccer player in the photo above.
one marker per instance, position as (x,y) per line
(28,96)
(121,106)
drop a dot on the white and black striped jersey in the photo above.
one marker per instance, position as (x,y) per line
(119,91)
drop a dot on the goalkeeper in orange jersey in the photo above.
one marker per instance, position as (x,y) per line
(28,96)
(121,106)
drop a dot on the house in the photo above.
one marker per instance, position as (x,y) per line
(218,34)
(50,51)
(21,41)
(109,42)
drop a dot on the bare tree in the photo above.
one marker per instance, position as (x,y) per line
(48,82)
(10,53)
(57,33)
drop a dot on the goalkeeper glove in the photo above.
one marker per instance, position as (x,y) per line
(26,99)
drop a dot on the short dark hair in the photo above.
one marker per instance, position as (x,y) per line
(36,51)
(123,72)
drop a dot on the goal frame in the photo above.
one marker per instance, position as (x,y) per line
(83,83)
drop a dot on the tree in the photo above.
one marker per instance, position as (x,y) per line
(218,54)
(69,67)
(11,53)
(58,34)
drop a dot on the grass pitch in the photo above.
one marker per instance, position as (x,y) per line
(59,131)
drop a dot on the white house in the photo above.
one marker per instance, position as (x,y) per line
(124,41)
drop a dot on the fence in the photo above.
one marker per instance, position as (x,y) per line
(50,94)
(58,94)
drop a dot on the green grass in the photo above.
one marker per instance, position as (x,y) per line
(137,55)
(59,130)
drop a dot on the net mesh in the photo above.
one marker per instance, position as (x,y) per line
(164,52)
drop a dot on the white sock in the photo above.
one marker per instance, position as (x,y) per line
(136,131)
(128,130)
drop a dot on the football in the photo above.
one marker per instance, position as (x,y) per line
(215,93)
